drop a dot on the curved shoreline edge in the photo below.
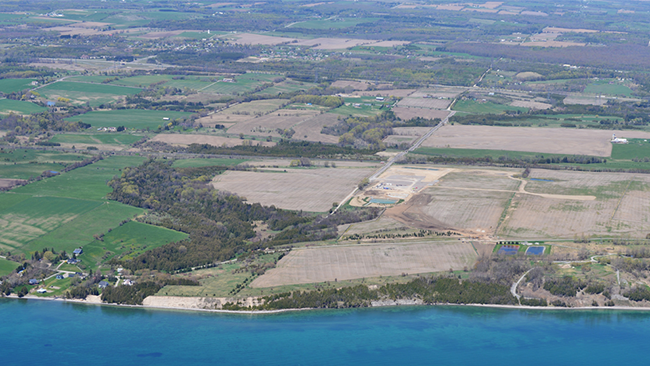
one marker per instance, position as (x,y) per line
(263,312)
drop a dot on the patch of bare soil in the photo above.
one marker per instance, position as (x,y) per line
(8,183)
(410,213)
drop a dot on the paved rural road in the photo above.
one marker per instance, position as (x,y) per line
(412,148)
(397,157)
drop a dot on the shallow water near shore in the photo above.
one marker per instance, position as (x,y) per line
(59,333)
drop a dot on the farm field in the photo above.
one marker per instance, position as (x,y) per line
(467,200)
(406,113)
(382,224)
(88,182)
(405,134)
(104,141)
(620,206)
(132,238)
(36,216)
(612,164)
(608,87)
(173,81)
(333,43)
(7,266)
(187,139)
(427,103)
(243,83)
(384,92)
(27,170)
(310,130)
(64,211)
(194,163)
(81,93)
(138,119)
(541,140)
(491,202)
(312,190)
(358,109)
(243,112)
(474,107)
(16,106)
(268,124)
(80,230)
(332,23)
(338,263)
(9,86)
(446,92)
(23,164)
(287,86)
(255,39)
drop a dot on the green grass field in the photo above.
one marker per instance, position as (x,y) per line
(16,106)
(608,87)
(127,241)
(81,93)
(218,281)
(37,216)
(97,79)
(88,182)
(8,200)
(470,106)
(80,231)
(64,211)
(23,164)
(287,86)
(26,171)
(363,110)
(636,148)
(193,163)
(191,82)
(9,86)
(100,138)
(139,119)
(621,159)
(6,267)
(244,83)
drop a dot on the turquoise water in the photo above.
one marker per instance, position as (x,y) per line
(383,201)
(56,333)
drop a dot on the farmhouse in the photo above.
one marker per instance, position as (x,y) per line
(103,284)
(41,290)
(33,281)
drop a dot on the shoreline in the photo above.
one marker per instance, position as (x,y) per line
(277,311)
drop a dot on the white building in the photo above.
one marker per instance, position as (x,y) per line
(616,140)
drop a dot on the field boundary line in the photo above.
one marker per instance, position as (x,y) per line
(205,87)
(618,204)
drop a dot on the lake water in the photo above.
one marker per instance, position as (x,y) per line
(56,333)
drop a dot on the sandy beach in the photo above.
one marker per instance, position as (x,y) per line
(401,302)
